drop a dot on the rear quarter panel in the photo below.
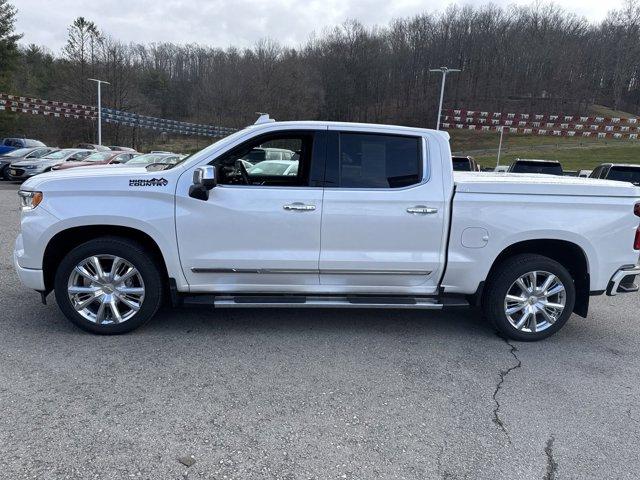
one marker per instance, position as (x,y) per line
(603,227)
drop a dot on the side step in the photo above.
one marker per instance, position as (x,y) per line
(324,301)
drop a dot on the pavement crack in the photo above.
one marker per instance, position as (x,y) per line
(552,465)
(501,376)
(442,471)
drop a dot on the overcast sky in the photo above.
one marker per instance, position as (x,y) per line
(224,23)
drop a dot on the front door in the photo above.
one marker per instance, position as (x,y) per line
(383,218)
(259,231)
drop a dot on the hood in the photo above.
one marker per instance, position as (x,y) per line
(540,184)
(38,162)
(102,178)
(7,159)
(73,164)
(24,163)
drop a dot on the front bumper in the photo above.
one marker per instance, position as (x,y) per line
(30,277)
(624,281)
(21,173)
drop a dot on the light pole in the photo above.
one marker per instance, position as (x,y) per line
(444,71)
(99,82)
(500,146)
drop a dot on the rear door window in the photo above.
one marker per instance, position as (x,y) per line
(378,161)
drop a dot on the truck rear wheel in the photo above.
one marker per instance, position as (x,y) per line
(529,297)
(108,286)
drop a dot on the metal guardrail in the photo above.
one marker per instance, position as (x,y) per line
(56,109)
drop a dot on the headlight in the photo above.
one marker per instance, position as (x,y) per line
(29,200)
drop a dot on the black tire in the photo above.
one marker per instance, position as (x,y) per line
(133,253)
(502,279)
(4,173)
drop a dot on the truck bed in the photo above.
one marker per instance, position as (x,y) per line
(493,211)
(528,184)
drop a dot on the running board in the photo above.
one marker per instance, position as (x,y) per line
(324,301)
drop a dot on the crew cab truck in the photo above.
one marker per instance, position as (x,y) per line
(373,218)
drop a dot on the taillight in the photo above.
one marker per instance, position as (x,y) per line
(636,209)
(636,244)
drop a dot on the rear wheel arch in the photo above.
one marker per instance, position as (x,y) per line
(570,255)
(66,240)
(530,297)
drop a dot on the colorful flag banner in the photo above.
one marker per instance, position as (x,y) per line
(36,106)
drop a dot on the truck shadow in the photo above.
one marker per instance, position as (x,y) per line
(324,320)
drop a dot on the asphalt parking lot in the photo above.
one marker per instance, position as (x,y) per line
(300,394)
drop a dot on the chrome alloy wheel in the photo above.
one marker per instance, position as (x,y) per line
(106,289)
(535,301)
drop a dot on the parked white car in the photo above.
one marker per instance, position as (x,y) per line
(259,154)
(274,167)
(373,218)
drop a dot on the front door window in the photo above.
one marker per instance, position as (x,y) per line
(281,160)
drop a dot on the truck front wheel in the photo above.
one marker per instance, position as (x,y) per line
(108,285)
(529,297)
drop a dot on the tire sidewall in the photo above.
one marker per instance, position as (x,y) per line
(127,250)
(502,281)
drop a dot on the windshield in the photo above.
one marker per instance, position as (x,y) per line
(98,157)
(58,155)
(461,165)
(537,167)
(625,174)
(20,152)
(153,158)
(255,155)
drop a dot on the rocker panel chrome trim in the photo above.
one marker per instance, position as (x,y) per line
(308,271)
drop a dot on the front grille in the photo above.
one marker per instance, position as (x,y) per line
(16,172)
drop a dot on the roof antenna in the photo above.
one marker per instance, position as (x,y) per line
(263,118)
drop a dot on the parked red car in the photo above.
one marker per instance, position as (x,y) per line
(98,158)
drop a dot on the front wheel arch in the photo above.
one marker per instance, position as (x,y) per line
(109,300)
(66,240)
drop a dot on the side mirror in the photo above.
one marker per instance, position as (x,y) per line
(204,179)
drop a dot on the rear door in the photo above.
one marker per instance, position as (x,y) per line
(383,221)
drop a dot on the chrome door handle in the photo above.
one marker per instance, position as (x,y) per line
(422,210)
(298,206)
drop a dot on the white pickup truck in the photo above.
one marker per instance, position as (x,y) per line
(358,215)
